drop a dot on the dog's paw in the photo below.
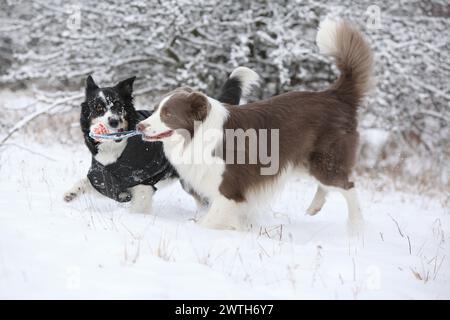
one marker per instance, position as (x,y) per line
(140,210)
(355,228)
(145,209)
(202,203)
(312,211)
(205,223)
(208,223)
(69,196)
(124,196)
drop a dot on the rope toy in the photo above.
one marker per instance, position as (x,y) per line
(101,132)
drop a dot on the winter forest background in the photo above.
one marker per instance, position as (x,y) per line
(47,48)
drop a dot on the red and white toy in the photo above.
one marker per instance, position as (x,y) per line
(100,128)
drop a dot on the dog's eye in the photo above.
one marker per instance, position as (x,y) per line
(99,108)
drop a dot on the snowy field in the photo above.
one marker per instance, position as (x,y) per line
(95,248)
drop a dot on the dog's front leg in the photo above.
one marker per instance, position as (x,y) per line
(201,202)
(81,187)
(141,199)
(223,214)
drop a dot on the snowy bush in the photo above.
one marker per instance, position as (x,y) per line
(52,45)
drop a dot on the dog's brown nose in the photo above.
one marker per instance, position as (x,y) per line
(140,127)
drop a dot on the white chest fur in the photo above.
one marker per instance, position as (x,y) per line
(197,167)
(194,160)
(110,151)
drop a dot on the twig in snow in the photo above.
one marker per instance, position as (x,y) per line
(436,270)
(354,269)
(398,226)
(263,250)
(416,274)
(138,251)
(409,245)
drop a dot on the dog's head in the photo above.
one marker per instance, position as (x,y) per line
(180,110)
(109,107)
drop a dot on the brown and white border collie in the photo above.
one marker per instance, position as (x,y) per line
(316,132)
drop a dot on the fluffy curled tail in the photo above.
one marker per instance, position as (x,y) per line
(238,85)
(353,56)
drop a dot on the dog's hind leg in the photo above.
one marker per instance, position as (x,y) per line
(355,218)
(81,187)
(333,168)
(223,214)
(318,201)
(141,199)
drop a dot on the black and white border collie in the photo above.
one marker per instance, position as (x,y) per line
(132,169)
(317,134)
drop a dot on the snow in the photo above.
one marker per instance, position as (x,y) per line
(21,101)
(95,248)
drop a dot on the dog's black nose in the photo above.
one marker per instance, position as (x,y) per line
(113,122)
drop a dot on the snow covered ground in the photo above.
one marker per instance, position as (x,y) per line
(95,248)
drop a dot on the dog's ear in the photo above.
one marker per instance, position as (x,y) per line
(125,87)
(90,84)
(199,105)
(85,108)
